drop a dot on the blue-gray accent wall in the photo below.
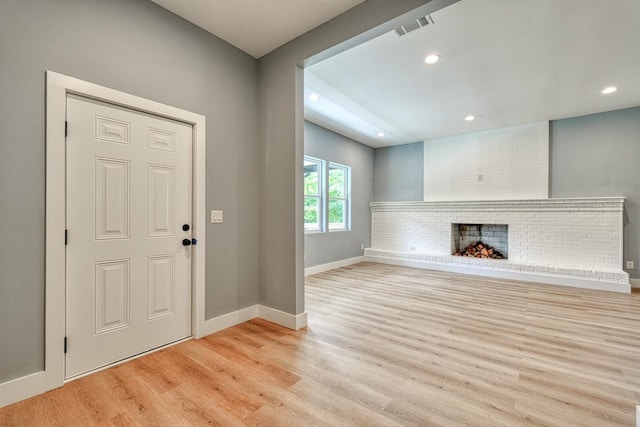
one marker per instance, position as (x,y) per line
(399,173)
(323,248)
(598,155)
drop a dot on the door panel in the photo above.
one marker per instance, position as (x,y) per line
(112,199)
(128,195)
(161,199)
(160,286)
(112,295)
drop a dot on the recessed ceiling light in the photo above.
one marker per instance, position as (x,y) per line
(314,97)
(381,134)
(469,118)
(432,59)
(608,90)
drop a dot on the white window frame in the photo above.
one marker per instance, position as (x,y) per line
(320,196)
(324,198)
(346,199)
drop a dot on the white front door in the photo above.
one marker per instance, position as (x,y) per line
(128,287)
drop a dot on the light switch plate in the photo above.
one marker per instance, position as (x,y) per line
(216,217)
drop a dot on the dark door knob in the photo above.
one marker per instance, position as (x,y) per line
(186,242)
(185,227)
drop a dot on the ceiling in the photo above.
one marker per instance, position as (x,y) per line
(505,62)
(257,26)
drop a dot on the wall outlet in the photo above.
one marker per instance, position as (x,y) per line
(480,178)
(362,246)
(630,265)
(412,248)
(216,217)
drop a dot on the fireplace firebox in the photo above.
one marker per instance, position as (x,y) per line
(480,240)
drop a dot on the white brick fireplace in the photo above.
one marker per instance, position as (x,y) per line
(574,242)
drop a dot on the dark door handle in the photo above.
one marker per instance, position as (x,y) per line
(186,242)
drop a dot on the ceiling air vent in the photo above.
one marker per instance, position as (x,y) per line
(425,20)
(413,25)
(399,32)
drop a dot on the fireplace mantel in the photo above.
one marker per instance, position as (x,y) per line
(587,203)
(575,242)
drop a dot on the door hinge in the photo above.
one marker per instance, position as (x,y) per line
(65,345)
(66,128)
(66,236)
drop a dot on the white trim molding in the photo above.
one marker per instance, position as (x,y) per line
(332,265)
(21,388)
(228,320)
(291,321)
(57,88)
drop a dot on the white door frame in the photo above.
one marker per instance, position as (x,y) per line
(58,86)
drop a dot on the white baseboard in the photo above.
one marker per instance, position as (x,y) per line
(332,265)
(24,387)
(234,318)
(281,318)
(21,388)
(228,320)
(635,283)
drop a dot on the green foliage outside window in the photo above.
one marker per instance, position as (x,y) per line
(311,188)
(336,212)
(336,182)
(337,196)
(332,201)
(311,213)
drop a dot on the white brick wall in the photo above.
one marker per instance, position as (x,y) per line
(581,235)
(513,163)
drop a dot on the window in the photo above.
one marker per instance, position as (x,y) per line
(313,194)
(338,197)
(327,196)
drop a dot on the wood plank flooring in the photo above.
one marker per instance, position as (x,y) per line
(385,346)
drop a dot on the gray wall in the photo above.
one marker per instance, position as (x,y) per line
(281,138)
(322,248)
(140,48)
(598,155)
(399,172)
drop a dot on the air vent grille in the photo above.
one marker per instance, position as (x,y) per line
(425,20)
(399,32)
(413,25)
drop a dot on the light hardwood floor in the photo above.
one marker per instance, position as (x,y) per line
(385,346)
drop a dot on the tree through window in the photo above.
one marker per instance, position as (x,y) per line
(338,196)
(313,194)
(327,196)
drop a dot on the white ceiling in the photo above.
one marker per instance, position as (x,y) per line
(258,26)
(506,62)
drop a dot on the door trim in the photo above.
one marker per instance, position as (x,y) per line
(58,86)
